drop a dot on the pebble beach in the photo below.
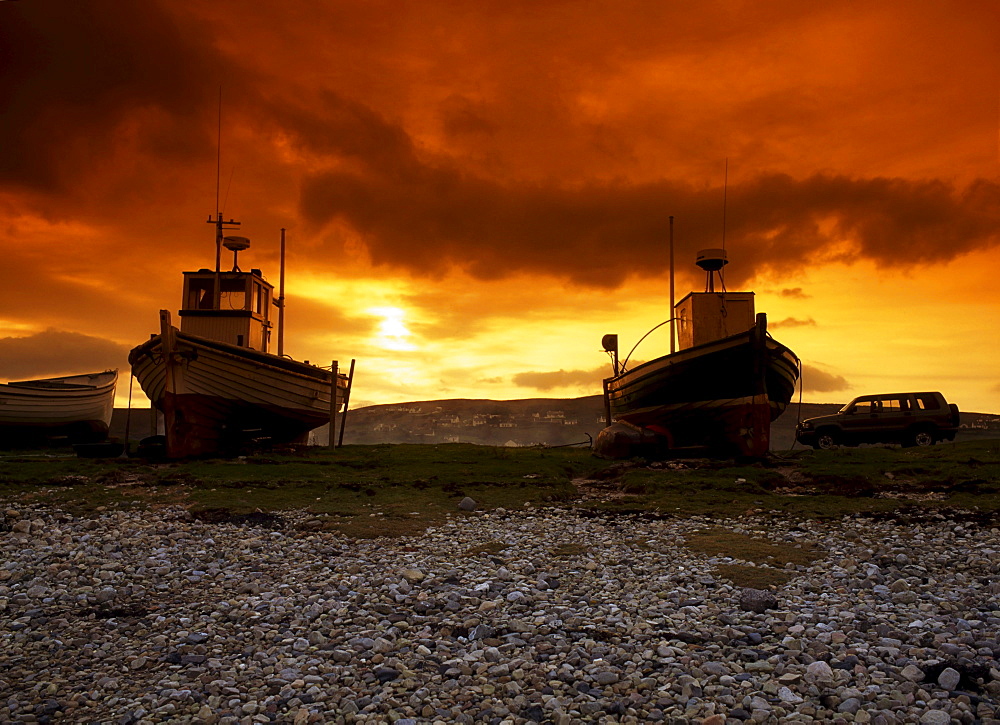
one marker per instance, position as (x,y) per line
(528,616)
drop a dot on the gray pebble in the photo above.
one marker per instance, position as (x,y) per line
(186,621)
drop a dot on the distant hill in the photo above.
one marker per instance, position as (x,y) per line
(535,421)
(545,421)
(528,422)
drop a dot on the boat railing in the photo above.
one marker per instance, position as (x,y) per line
(624,363)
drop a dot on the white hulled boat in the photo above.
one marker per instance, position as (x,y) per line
(77,406)
(215,381)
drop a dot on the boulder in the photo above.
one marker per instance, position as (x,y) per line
(621,440)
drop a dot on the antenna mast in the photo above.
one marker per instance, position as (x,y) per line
(725,193)
(281,299)
(673,314)
(220,225)
(218,212)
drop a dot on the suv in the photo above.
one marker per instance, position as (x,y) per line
(913,419)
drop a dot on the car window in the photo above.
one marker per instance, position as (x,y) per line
(927,402)
(893,405)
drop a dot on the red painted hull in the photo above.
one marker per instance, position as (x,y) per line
(216,397)
(721,396)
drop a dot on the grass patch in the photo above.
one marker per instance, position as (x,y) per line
(725,542)
(821,484)
(770,557)
(566,550)
(363,491)
(385,490)
(375,526)
(942,467)
(755,577)
(493,548)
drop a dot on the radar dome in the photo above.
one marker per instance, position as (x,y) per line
(235,244)
(711,260)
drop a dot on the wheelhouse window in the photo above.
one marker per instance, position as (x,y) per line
(199,294)
(234,294)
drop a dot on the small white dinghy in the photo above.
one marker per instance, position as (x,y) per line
(77,406)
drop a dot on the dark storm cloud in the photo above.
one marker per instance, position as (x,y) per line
(426,217)
(56,352)
(83,78)
(74,73)
(815,380)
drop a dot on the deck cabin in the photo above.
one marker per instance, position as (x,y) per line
(231,307)
(704,317)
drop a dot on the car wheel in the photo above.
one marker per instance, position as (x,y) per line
(922,438)
(825,440)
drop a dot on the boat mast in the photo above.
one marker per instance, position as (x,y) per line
(725,198)
(281,298)
(217,295)
(673,316)
(220,225)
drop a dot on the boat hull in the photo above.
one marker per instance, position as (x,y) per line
(77,406)
(216,397)
(722,395)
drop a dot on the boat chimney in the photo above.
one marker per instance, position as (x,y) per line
(712,261)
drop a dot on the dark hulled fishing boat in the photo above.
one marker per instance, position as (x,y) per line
(719,391)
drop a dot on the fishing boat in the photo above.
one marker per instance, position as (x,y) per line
(214,380)
(78,407)
(719,391)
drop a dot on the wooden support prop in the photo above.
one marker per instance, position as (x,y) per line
(167,349)
(128,417)
(169,381)
(607,405)
(347,399)
(333,405)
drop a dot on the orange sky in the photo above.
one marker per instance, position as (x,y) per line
(475,193)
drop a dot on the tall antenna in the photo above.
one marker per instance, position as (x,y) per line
(220,225)
(725,192)
(218,156)
(673,313)
(218,212)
